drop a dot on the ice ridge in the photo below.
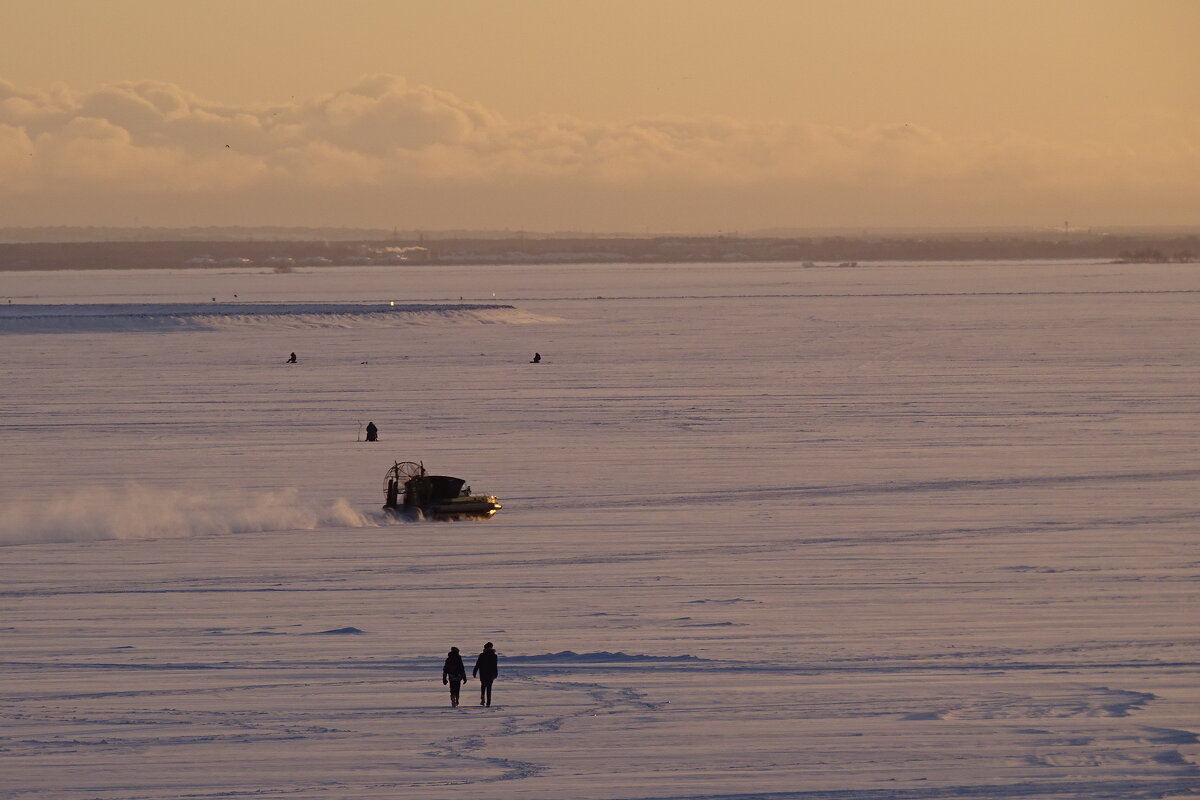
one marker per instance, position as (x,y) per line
(138,317)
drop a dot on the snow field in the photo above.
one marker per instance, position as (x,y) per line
(902,531)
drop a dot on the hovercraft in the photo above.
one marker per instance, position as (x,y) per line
(413,494)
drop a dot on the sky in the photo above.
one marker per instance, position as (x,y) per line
(693,116)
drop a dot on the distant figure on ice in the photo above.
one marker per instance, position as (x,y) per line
(372,432)
(453,673)
(292,359)
(486,670)
(537,358)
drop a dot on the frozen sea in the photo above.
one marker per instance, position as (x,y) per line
(891,532)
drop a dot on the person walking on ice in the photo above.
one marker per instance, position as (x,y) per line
(486,670)
(453,673)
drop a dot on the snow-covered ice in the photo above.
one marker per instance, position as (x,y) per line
(890,532)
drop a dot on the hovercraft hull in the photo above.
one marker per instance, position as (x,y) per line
(481,507)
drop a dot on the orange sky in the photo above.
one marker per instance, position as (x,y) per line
(683,115)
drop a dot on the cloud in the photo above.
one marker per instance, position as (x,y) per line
(384,151)
(16,155)
(90,153)
(383,113)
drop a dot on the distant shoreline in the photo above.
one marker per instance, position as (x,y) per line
(824,251)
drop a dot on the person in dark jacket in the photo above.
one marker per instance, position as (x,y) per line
(453,673)
(291,358)
(486,670)
(372,432)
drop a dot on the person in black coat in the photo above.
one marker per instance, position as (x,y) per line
(486,670)
(372,432)
(453,673)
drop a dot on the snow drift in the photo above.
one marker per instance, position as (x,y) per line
(598,657)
